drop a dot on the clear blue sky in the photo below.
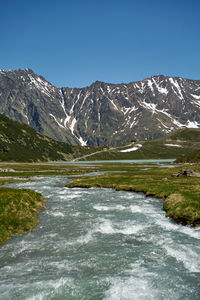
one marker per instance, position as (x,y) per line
(76,42)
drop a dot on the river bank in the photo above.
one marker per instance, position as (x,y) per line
(19,209)
(181,195)
(99,244)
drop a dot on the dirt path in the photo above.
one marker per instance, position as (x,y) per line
(87,155)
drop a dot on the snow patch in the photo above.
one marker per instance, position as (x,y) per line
(173,145)
(71,127)
(62,103)
(113,103)
(150,106)
(82,142)
(177,123)
(175,83)
(160,89)
(136,147)
(150,84)
(134,122)
(129,110)
(102,90)
(74,102)
(86,96)
(162,123)
(41,85)
(108,89)
(195,96)
(191,124)
(115,132)
(140,89)
(56,121)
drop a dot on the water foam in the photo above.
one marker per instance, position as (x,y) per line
(107,208)
(56,214)
(169,225)
(188,257)
(50,288)
(132,288)
(127,228)
(40,261)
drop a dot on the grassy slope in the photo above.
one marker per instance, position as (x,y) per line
(190,157)
(181,194)
(19,142)
(188,139)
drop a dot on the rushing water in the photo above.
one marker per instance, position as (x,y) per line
(96,244)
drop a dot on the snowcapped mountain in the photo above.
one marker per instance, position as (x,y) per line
(101,114)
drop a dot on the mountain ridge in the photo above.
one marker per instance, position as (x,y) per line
(102,113)
(100,81)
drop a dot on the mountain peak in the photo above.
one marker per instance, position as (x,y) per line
(102,113)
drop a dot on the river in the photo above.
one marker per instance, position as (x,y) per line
(96,244)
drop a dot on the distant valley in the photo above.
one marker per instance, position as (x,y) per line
(21,143)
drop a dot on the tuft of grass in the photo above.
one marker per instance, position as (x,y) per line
(19,209)
(185,210)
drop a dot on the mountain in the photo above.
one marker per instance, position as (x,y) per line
(101,114)
(21,143)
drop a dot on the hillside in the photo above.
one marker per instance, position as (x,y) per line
(19,142)
(102,113)
(178,143)
(191,157)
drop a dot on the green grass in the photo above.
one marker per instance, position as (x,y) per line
(19,210)
(181,195)
(188,139)
(191,157)
(21,143)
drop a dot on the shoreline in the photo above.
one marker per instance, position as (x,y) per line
(166,207)
(181,196)
(19,213)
